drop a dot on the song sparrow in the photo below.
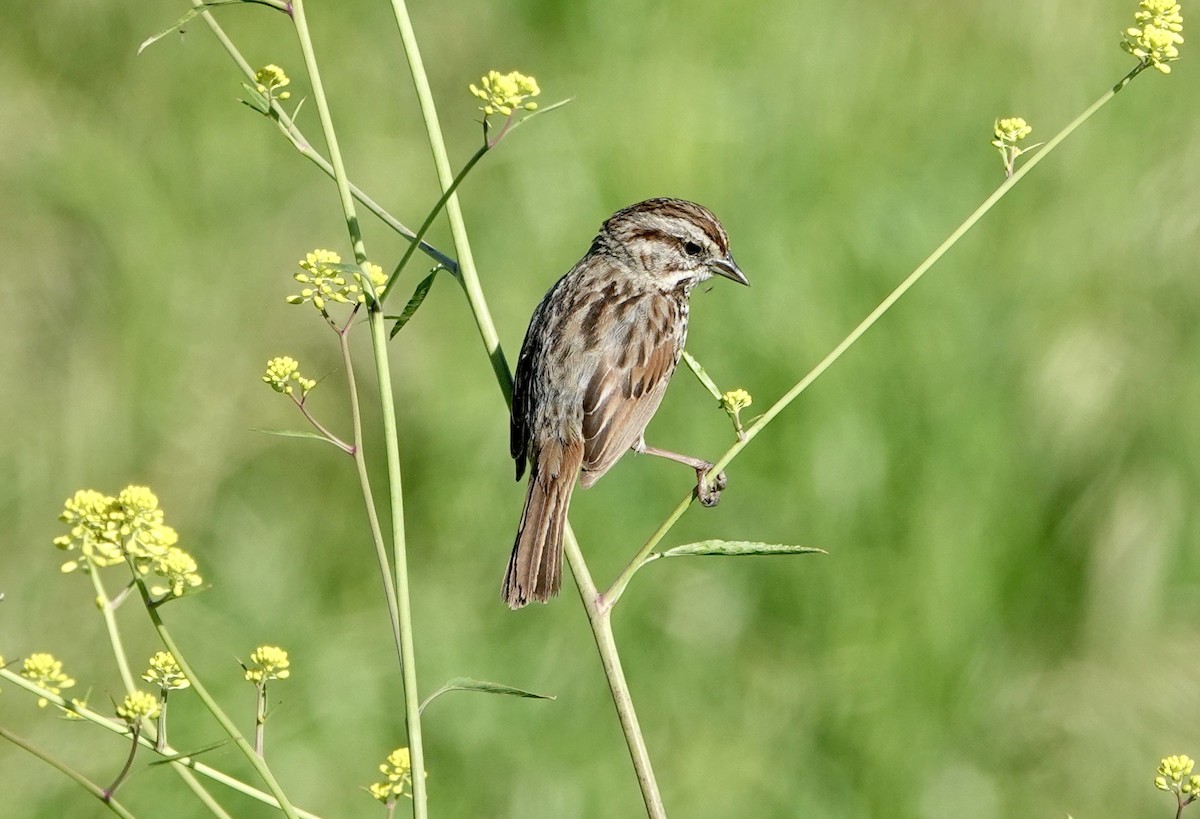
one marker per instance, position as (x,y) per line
(597,357)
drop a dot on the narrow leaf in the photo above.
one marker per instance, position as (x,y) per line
(256,100)
(293,433)
(182,21)
(699,372)
(485,687)
(737,548)
(197,752)
(414,303)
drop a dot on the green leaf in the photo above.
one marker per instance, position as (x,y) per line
(737,548)
(201,750)
(468,684)
(256,100)
(182,21)
(292,433)
(699,372)
(418,297)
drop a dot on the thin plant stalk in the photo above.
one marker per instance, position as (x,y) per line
(407,651)
(601,623)
(618,587)
(87,784)
(364,482)
(469,279)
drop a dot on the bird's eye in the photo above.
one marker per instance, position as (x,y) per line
(691,248)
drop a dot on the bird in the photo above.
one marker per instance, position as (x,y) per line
(596,360)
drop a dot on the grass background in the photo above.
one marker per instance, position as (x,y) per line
(1004,471)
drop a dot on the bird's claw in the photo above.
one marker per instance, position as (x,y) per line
(709,494)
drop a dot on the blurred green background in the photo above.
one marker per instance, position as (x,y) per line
(1004,471)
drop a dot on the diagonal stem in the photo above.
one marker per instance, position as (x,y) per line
(618,587)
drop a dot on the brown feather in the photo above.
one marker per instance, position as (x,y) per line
(535,566)
(618,404)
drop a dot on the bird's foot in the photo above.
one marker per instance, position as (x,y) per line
(709,492)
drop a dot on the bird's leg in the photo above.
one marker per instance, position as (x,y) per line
(708,494)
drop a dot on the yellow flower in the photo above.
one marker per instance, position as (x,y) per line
(43,670)
(165,672)
(107,529)
(138,705)
(269,79)
(736,400)
(268,663)
(1008,132)
(1156,37)
(1172,770)
(95,531)
(398,772)
(378,281)
(179,569)
(321,272)
(505,93)
(283,375)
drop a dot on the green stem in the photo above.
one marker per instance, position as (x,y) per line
(260,718)
(618,587)
(167,751)
(259,765)
(364,482)
(110,625)
(606,645)
(468,277)
(301,143)
(391,439)
(89,786)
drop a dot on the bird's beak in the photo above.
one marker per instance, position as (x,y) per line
(728,268)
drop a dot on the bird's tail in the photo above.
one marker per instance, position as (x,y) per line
(535,567)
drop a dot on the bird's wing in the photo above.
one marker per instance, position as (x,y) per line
(622,396)
(521,414)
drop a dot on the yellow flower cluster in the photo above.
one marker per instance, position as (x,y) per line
(398,772)
(164,671)
(505,93)
(269,79)
(1171,773)
(1156,37)
(138,705)
(109,530)
(268,663)
(44,670)
(283,375)
(325,276)
(735,401)
(1010,131)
